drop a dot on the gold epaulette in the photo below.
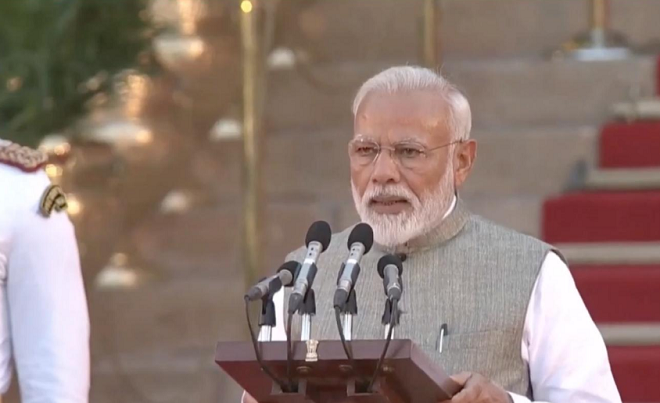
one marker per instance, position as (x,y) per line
(24,158)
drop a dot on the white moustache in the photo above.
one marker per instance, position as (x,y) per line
(389,192)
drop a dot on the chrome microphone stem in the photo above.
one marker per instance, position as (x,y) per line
(347,325)
(266,333)
(306,330)
(387,331)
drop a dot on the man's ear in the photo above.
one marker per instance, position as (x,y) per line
(464,157)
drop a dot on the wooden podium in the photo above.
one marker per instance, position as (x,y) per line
(323,374)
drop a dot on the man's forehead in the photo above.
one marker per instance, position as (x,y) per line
(425,110)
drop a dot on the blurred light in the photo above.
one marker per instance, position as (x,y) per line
(184,14)
(117,274)
(163,11)
(190,11)
(281,59)
(98,100)
(175,50)
(176,201)
(74,206)
(122,133)
(226,129)
(55,144)
(132,89)
(246,6)
(14,84)
(54,172)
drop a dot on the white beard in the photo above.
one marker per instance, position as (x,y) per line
(392,230)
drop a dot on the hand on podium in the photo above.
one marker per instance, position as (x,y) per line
(248,399)
(478,389)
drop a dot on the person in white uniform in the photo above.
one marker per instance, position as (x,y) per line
(44,323)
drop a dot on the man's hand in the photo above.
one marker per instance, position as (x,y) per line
(478,389)
(248,399)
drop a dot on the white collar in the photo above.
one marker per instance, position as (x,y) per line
(451,207)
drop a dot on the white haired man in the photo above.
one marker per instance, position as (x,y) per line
(516,327)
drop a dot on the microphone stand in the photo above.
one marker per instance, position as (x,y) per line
(344,316)
(348,311)
(268,319)
(389,321)
(307,310)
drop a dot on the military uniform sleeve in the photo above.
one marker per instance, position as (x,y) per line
(47,306)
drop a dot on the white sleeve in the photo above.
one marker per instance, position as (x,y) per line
(279,332)
(48,310)
(565,351)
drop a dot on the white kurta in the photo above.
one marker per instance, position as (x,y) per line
(44,323)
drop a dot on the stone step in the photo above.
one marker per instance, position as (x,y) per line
(174,315)
(503,93)
(520,213)
(640,334)
(206,241)
(168,377)
(640,109)
(531,161)
(611,253)
(373,29)
(623,179)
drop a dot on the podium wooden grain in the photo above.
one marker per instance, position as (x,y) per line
(408,375)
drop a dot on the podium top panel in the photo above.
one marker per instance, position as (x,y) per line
(407,370)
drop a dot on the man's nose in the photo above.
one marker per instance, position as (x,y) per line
(386,169)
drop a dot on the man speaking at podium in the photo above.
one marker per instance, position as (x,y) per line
(496,308)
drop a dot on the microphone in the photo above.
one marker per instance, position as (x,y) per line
(359,244)
(390,269)
(272,284)
(317,240)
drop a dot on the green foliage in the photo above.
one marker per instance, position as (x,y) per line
(50,49)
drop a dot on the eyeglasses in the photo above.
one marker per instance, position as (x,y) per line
(408,155)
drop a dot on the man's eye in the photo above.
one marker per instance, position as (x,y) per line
(409,152)
(366,150)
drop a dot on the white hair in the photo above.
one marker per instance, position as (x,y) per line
(415,78)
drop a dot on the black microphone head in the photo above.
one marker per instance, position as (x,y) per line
(363,234)
(388,260)
(292,267)
(319,232)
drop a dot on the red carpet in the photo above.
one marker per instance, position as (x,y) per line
(602,217)
(637,372)
(620,293)
(634,145)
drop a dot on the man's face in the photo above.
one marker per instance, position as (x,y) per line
(403,193)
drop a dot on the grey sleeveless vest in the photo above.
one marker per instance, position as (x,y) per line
(470,274)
